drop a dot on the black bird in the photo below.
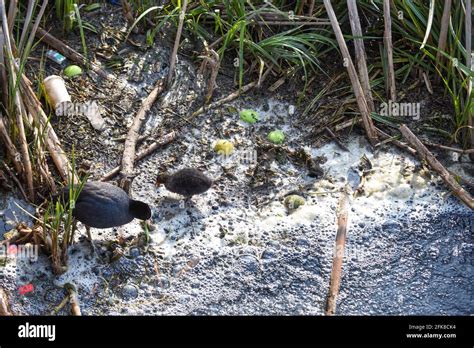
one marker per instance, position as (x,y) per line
(103,205)
(186,182)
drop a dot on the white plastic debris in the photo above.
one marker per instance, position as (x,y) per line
(56,93)
(92,112)
(291,110)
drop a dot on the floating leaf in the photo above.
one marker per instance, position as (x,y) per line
(249,116)
(276,136)
(293,202)
(224,147)
(72,70)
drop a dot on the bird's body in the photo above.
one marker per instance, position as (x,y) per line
(187,182)
(103,205)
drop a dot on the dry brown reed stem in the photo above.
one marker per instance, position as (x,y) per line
(3,72)
(443,35)
(336,271)
(11,149)
(359,93)
(360,52)
(4,304)
(387,37)
(427,156)
(12,11)
(142,154)
(174,54)
(52,141)
(73,299)
(129,154)
(232,96)
(20,113)
(468,30)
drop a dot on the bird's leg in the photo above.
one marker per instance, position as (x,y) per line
(89,237)
(88,230)
(191,219)
(187,200)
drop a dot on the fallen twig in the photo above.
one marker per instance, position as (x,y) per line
(426,155)
(336,271)
(336,139)
(349,123)
(230,97)
(128,158)
(166,139)
(427,83)
(11,149)
(390,139)
(60,306)
(17,182)
(4,305)
(224,100)
(73,299)
(449,148)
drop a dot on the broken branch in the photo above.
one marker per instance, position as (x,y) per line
(73,299)
(426,155)
(128,158)
(142,154)
(336,271)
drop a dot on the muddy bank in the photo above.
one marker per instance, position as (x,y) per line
(407,245)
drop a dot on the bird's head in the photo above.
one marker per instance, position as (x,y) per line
(140,210)
(161,179)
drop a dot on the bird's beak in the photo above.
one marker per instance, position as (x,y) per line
(159,181)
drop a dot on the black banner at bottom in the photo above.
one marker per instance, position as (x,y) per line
(290,331)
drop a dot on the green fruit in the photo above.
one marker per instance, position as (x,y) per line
(249,116)
(72,70)
(224,147)
(293,202)
(276,137)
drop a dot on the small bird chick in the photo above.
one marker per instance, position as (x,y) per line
(186,182)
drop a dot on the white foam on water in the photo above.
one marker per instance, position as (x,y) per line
(393,186)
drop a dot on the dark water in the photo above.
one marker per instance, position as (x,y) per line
(11,214)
